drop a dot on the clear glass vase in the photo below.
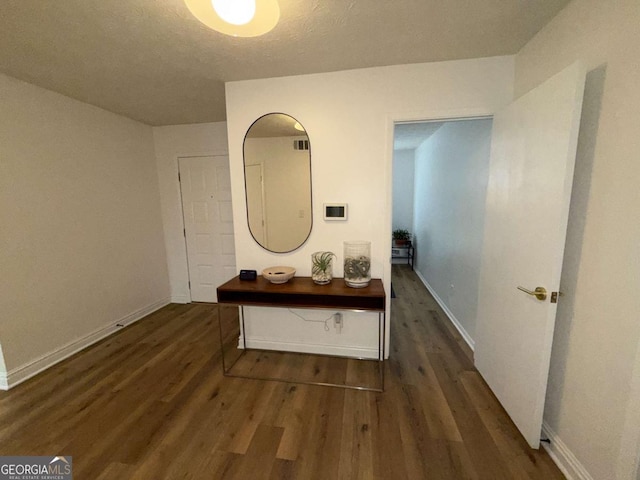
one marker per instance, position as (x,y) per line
(322,267)
(357,264)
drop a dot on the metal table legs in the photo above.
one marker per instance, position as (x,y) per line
(239,320)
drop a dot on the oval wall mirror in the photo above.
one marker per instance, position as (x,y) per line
(277,174)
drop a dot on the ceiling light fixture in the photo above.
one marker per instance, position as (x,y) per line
(236,12)
(238,18)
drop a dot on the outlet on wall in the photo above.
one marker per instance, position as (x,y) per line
(337,322)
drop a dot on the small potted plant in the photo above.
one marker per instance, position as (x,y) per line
(401,236)
(322,267)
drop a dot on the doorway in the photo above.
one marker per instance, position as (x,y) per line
(440,173)
(532,154)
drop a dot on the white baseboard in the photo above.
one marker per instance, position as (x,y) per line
(465,335)
(180,299)
(4,384)
(564,458)
(24,372)
(320,349)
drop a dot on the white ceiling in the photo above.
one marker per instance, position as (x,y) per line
(152,61)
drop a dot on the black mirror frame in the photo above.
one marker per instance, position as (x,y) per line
(246,199)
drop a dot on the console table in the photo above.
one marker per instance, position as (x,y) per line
(302,292)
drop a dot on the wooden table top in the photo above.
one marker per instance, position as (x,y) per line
(303,292)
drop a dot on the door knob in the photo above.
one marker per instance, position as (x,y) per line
(540,292)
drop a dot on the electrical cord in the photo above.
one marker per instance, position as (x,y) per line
(326,321)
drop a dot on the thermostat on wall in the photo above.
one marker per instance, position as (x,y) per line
(335,211)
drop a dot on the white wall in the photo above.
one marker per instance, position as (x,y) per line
(403,170)
(591,407)
(451,173)
(172,142)
(81,238)
(349,119)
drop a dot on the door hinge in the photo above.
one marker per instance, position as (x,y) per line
(189,282)
(178,176)
(184,232)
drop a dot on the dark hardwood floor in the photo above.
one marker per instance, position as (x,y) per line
(151,403)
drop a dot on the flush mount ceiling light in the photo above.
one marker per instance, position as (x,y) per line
(238,18)
(238,12)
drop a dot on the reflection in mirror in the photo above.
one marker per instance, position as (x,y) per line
(277,171)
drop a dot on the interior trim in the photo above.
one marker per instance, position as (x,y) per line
(24,372)
(456,323)
(562,456)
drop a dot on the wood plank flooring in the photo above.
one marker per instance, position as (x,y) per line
(151,403)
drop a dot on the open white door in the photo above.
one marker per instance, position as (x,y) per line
(208,223)
(533,153)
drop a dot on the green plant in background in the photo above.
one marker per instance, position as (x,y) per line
(401,235)
(322,267)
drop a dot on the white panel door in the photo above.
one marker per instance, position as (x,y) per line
(208,222)
(533,153)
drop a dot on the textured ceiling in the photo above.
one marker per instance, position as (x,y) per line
(152,61)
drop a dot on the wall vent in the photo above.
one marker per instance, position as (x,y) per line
(301,144)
